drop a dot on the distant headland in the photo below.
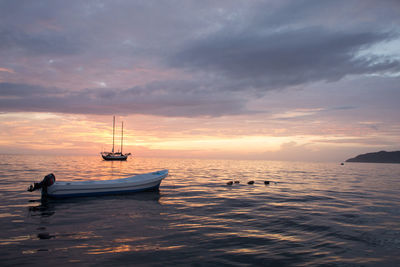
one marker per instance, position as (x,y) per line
(378,157)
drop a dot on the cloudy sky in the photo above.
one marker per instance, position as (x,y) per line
(274,80)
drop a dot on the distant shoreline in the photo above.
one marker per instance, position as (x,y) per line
(377,157)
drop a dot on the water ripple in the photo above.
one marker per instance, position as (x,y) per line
(310,214)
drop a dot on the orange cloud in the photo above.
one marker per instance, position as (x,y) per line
(155,136)
(7,70)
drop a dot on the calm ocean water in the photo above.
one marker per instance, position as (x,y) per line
(311,214)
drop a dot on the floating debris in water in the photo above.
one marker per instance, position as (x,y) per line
(250,182)
(229,183)
(45,236)
(266,182)
(237,182)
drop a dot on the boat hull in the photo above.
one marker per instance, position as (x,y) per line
(107,157)
(133,184)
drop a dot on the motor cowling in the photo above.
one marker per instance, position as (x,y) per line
(47,181)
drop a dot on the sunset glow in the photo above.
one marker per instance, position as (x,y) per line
(208,83)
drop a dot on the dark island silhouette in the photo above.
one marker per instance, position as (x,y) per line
(377,157)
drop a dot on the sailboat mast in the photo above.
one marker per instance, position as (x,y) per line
(122,136)
(113,133)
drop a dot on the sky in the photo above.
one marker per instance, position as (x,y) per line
(270,80)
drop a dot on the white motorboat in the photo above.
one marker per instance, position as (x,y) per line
(65,189)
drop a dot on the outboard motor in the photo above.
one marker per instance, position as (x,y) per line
(47,181)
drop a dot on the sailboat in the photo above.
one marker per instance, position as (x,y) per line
(116,155)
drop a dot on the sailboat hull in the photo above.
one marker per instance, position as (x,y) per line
(111,156)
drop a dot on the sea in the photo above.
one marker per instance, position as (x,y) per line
(310,214)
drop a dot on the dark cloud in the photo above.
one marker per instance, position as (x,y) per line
(173,100)
(44,43)
(340,15)
(284,58)
(200,58)
(12,90)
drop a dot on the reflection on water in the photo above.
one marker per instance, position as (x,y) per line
(48,206)
(310,214)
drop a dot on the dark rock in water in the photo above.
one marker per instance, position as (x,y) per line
(266,182)
(229,183)
(378,157)
(44,236)
(237,182)
(250,182)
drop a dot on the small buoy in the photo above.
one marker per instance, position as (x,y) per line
(229,183)
(266,182)
(237,182)
(250,182)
